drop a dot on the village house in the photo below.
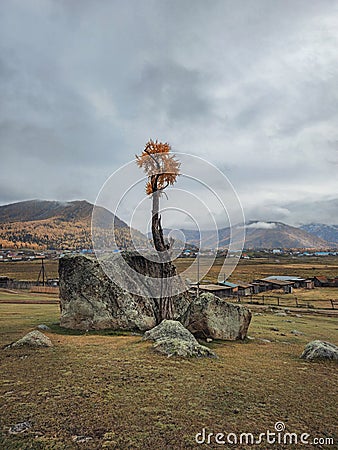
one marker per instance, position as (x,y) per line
(271,283)
(322,281)
(216,289)
(244,288)
(233,287)
(239,288)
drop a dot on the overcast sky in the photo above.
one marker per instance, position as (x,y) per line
(251,86)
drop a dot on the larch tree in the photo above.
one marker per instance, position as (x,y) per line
(162,169)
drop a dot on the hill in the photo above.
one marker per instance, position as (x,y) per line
(280,235)
(327,232)
(42,224)
(267,235)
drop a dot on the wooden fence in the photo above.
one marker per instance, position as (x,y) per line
(287,302)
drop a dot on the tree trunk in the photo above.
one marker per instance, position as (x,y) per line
(156,227)
(165,306)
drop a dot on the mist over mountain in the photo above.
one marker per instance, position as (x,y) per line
(51,224)
(259,234)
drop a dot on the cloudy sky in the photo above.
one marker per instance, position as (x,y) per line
(252,87)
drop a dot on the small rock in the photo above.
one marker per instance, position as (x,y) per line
(20,427)
(274,329)
(173,339)
(298,315)
(320,350)
(43,327)
(281,314)
(81,439)
(34,339)
(208,340)
(250,338)
(258,314)
(236,411)
(266,341)
(296,332)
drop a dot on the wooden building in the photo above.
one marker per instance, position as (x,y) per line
(216,289)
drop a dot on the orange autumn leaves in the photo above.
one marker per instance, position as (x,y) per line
(161,167)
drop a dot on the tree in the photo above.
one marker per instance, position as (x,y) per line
(162,169)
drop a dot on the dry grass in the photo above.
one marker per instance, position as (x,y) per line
(28,270)
(248,270)
(24,296)
(319,298)
(117,391)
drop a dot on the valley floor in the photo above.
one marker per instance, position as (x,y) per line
(116,391)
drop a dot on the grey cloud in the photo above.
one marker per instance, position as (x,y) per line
(250,86)
(176,90)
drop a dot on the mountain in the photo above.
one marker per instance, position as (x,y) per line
(42,224)
(267,235)
(327,232)
(35,210)
(280,235)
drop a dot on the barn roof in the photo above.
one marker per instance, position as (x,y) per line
(227,283)
(284,278)
(212,287)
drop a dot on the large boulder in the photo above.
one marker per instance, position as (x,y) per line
(172,339)
(320,350)
(209,316)
(89,299)
(34,339)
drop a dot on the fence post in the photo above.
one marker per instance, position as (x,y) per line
(332,304)
(278,301)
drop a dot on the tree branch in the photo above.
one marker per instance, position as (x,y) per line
(164,187)
(152,157)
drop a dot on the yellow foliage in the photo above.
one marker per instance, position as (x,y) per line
(161,167)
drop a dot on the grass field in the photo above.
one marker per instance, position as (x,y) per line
(24,296)
(117,391)
(28,270)
(247,270)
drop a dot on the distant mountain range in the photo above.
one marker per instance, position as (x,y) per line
(327,232)
(260,235)
(280,235)
(42,224)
